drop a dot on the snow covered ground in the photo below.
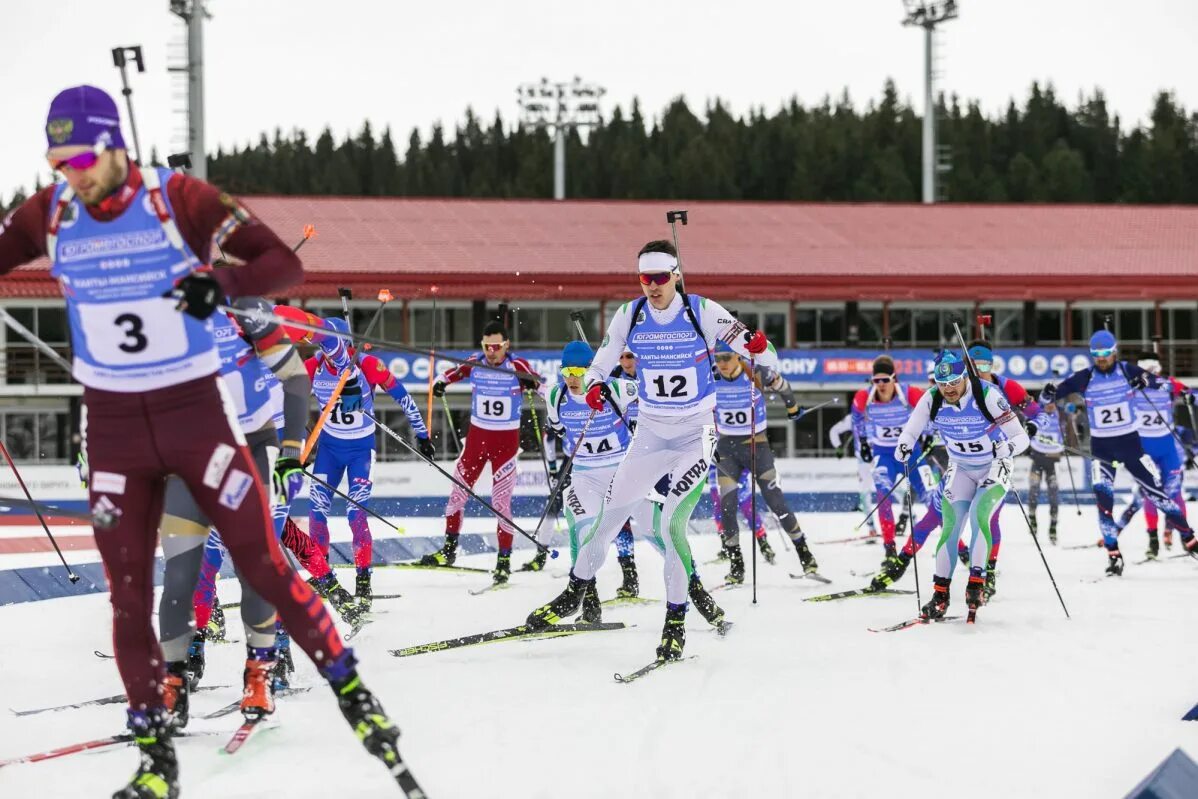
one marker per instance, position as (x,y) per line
(799,700)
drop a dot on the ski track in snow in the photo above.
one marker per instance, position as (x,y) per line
(799,700)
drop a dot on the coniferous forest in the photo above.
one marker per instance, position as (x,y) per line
(1040,150)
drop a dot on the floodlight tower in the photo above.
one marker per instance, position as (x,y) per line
(194,13)
(559,106)
(928,15)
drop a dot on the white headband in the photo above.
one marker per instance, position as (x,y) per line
(656,262)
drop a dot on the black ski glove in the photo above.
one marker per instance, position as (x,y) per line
(198,295)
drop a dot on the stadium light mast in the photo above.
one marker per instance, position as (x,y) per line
(560,107)
(193,13)
(928,15)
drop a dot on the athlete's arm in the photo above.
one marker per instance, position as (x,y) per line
(379,376)
(916,422)
(719,324)
(23,231)
(857,413)
(623,393)
(1008,422)
(552,417)
(838,430)
(275,349)
(206,215)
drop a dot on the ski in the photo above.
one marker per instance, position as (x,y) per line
(233,707)
(725,587)
(916,622)
(491,587)
(243,734)
(85,746)
(1191,716)
(629,600)
(115,699)
(850,539)
(1083,546)
(643,670)
(508,633)
(386,596)
(412,564)
(819,578)
(855,593)
(103,655)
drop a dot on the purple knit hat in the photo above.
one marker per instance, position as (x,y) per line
(84,115)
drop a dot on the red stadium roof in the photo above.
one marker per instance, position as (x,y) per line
(541,249)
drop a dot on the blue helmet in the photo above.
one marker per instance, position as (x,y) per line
(722,346)
(949,368)
(1103,343)
(577,353)
(339,325)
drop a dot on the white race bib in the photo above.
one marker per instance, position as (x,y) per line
(237,389)
(134,332)
(598,447)
(489,408)
(1116,415)
(671,386)
(974,448)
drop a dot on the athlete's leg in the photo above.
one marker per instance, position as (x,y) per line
(358,470)
(960,485)
(502,448)
(729,468)
(184,531)
(745,502)
(1034,473)
(1054,493)
(329,467)
(468,468)
(883,481)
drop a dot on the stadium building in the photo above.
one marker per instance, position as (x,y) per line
(831,284)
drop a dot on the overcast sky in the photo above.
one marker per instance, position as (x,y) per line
(307,64)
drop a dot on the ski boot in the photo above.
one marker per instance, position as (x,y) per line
(991,581)
(973,592)
(1052,531)
(892,571)
(176,697)
(938,605)
(673,634)
(341,600)
(565,604)
(901,525)
(736,565)
(592,611)
(767,551)
(215,631)
(374,729)
(195,661)
(1168,538)
(537,563)
(891,550)
(1154,546)
(805,556)
(284,665)
(445,556)
(1032,524)
(963,554)
(257,698)
(1114,567)
(503,568)
(704,603)
(631,587)
(722,554)
(158,775)
(362,591)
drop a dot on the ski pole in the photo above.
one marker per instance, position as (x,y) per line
(1036,540)
(64,512)
(334,398)
(354,502)
(1115,465)
(28,335)
(753,465)
(824,404)
(564,472)
(403,442)
(536,428)
(74,578)
(260,315)
(914,549)
(1072,482)
(309,232)
(893,488)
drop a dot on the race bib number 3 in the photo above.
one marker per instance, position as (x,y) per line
(667,386)
(135,332)
(1112,415)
